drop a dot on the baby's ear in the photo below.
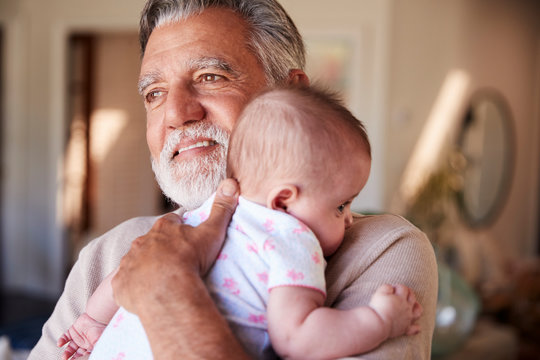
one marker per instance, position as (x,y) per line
(281,197)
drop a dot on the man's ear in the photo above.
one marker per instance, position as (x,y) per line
(298,77)
(281,197)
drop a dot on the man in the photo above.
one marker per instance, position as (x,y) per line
(202,61)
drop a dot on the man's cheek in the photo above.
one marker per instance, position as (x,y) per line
(154,141)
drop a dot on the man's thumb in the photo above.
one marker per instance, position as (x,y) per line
(224,205)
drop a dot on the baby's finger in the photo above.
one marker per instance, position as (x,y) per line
(402,291)
(417,310)
(69,351)
(64,339)
(80,352)
(411,298)
(385,289)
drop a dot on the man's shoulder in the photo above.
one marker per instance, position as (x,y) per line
(137,225)
(377,249)
(371,235)
(116,242)
(369,229)
(369,239)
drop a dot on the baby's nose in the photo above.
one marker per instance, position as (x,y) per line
(348,220)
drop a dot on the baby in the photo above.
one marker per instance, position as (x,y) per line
(300,159)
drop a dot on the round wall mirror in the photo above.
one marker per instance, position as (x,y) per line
(486,142)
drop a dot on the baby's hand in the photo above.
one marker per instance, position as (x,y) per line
(81,337)
(398,308)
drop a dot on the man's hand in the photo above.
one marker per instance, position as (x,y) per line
(172,252)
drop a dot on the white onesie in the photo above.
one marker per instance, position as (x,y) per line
(264,249)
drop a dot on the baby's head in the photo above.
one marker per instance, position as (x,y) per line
(299,150)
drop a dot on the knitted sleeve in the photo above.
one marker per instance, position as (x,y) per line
(386,249)
(99,258)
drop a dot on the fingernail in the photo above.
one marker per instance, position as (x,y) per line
(228,189)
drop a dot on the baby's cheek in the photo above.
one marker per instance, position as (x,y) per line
(338,239)
(332,243)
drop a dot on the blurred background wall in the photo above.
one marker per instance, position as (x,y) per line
(74,158)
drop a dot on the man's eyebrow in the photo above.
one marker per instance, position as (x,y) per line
(194,64)
(212,63)
(148,79)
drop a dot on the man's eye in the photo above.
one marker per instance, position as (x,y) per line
(153,95)
(211,77)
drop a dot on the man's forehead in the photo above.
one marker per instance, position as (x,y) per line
(216,22)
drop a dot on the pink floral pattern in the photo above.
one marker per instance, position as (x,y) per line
(118,319)
(295,275)
(240,229)
(269,244)
(263,277)
(268,225)
(302,228)
(252,247)
(231,285)
(203,215)
(257,319)
(316,257)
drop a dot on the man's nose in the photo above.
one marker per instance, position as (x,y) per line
(183,106)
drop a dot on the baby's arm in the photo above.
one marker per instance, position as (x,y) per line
(300,327)
(87,329)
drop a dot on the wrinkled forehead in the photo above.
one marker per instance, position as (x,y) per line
(217,22)
(214,39)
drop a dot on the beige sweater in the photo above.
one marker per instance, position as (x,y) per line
(377,249)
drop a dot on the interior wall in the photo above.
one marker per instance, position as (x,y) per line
(501,52)
(495,43)
(35,67)
(122,178)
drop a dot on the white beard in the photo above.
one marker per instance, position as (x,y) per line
(189,183)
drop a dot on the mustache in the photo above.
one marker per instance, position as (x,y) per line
(199,130)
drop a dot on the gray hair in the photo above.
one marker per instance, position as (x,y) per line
(273,37)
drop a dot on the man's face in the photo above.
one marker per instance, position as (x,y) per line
(196,76)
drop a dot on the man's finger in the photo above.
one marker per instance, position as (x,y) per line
(224,205)
(172,217)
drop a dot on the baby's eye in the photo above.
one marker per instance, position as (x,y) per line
(341,208)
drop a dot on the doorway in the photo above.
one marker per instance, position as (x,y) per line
(107,173)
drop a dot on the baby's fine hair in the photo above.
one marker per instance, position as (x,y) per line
(293,133)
